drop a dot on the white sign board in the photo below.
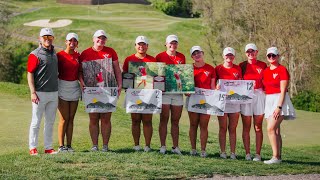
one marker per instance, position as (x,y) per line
(145,101)
(238,91)
(207,101)
(100,99)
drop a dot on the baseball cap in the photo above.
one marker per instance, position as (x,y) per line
(229,50)
(99,33)
(195,48)
(250,46)
(72,35)
(46,32)
(171,38)
(143,39)
(272,50)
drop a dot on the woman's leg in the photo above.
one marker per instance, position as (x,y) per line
(105,127)
(204,121)
(246,124)
(258,120)
(194,122)
(73,105)
(64,111)
(135,127)
(147,128)
(175,118)
(233,123)
(223,124)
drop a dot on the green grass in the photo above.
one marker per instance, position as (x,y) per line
(301,152)
(123,23)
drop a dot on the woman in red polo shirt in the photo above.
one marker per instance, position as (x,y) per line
(204,77)
(229,121)
(278,104)
(69,90)
(141,45)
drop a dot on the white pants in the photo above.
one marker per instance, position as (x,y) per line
(48,105)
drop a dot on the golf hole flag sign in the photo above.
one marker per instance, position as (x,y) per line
(100,99)
(206,101)
(145,101)
(238,91)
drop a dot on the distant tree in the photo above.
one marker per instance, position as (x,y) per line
(292,26)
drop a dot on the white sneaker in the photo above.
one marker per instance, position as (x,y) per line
(248,157)
(223,155)
(105,148)
(257,158)
(233,156)
(193,152)
(203,154)
(94,148)
(163,149)
(273,160)
(147,149)
(136,148)
(176,150)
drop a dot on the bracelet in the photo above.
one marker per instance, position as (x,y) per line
(280,107)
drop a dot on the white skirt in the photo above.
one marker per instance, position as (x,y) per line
(272,103)
(69,90)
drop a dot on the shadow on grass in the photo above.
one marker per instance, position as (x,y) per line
(302,162)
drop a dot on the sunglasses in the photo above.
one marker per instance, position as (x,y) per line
(272,55)
(47,37)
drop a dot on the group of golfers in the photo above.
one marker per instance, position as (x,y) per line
(56,81)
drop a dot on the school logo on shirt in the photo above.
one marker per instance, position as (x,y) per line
(259,70)
(106,56)
(179,61)
(275,75)
(236,75)
(206,73)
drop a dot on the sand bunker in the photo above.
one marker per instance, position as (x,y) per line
(47,23)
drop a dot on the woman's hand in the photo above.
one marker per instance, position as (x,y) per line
(276,113)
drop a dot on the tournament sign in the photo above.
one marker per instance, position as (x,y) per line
(207,101)
(100,99)
(145,101)
(145,73)
(179,79)
(99,73)
(238,91)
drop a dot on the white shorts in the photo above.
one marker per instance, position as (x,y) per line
(257,105)
(69,90)
(232,108)
(172,99)
(287,108)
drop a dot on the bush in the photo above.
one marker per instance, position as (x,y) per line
(181,8)
(307,100)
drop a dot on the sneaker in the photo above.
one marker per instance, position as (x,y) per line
(193,152)
(233,156)
(137,148)
(33,152)
(257,158)
(62,149)
(50,151)
(105,148)
(176,150)
(273,160)
(147,149)
(223,155)
(70,149)
(203,154)
(94,148)
(163,149)
(248,157)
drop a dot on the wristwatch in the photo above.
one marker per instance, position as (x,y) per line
(280,107)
